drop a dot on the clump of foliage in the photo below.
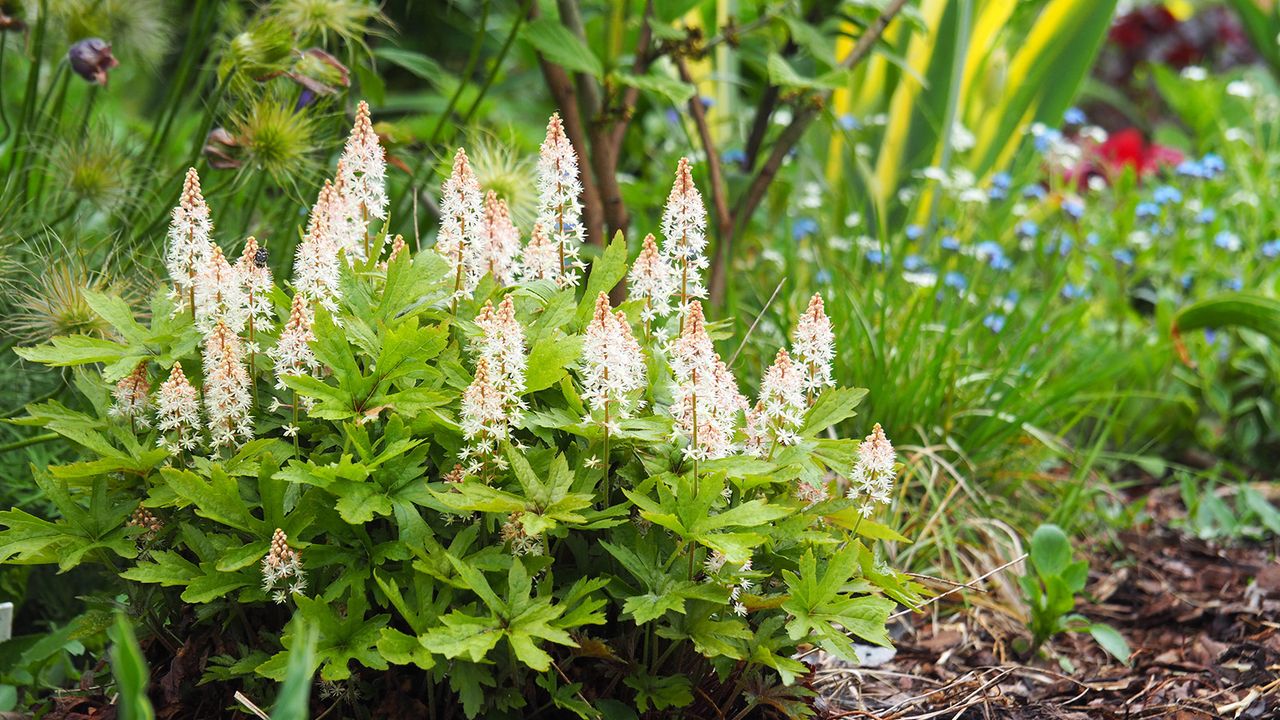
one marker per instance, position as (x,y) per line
(1051,590)
(465,464)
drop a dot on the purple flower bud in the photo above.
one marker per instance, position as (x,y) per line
(91,58)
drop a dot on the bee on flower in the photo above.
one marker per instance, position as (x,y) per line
(255,277)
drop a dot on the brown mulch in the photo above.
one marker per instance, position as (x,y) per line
(1203,621)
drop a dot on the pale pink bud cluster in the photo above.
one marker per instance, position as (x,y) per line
(653,280)
(492,405)
(292,353)
(707,401)
(684,227)
(190,233)
(814,345)
(612,364)
(498,248)
(778,415)
(255,276)
(347,222)
(132,396)
(177,412)
(541,259)
(461,224)
(522,543)
(363,167)
(873,472)
(316,271)
(220,295)
(501,343)
(282,573)
(226,387)
(559,207)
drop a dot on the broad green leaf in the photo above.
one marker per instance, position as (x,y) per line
(129,667)
(550,359)
(670,89)
(1111,641)
(560,46)
(832,406)
(1050,551)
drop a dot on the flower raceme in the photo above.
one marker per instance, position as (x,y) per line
(177,413)
(364,168)
(498,250)
(559,206)
(190,233)
(814,345)
(684,226)
(461,225)
(652,280)
(612,366)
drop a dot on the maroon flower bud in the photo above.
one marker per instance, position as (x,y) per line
(91,58)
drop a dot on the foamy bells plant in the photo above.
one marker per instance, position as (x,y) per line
(519,496)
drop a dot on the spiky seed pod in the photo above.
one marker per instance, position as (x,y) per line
(226,387)
(684,228)
(91,58)
(329,23)
(132,396)
(814,345)
(871,480)
(271,137)
(653,280)
(612,364)
(461,220)
(190,233)
(559,207)
(499,244)
(364,167)
(177,412)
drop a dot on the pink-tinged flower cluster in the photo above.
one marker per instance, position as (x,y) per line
(612,365)
(347,222)
(779,413)
(282,573)
(316,271)
(491,404)
(255,277)
(363,168)
(226,387)
(498,248)
(707,401)
(871,480)
(684,227)
(814,345)
(653,280)
(132,396)
(220,295)
(559,207)
(292,353)
(541,259)
(177,412)
(190,233)
(461,225)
